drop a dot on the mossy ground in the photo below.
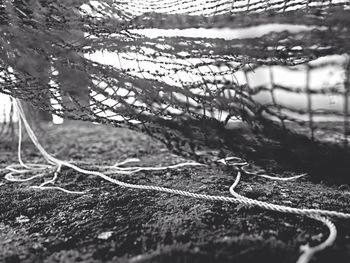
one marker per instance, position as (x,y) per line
(114,224)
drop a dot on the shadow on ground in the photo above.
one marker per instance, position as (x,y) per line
(114,224)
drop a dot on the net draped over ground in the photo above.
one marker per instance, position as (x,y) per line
(184,91)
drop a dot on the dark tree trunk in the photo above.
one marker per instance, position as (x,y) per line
(34,114)
(74,84)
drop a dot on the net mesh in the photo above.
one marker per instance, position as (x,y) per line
(185,90)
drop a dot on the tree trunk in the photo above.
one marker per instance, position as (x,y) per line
(35,115)
(74,84)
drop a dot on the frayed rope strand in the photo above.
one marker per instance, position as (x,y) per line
(55,164)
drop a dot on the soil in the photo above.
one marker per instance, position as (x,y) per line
(114,224)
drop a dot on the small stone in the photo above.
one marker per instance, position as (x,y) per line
(37,246)
(22,219)
(226,238)
(317,237)
(105,235)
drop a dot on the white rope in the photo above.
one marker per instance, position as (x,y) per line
(281,178)
(237,198)
(307,251)
(55,164)
(239,162)
(58,188)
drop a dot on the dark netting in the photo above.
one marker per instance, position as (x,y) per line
(186,91)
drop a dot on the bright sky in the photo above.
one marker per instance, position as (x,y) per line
(225,33)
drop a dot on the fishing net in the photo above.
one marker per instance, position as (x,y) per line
(284,72)
(188,91)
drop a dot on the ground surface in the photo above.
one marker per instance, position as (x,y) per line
(114,224)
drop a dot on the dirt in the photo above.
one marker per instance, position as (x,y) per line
(114,224)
